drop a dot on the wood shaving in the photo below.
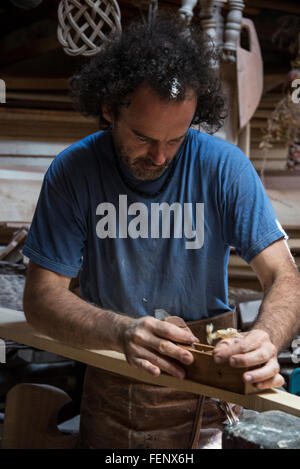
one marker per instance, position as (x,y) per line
(220,334)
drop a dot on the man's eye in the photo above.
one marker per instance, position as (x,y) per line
(142,139)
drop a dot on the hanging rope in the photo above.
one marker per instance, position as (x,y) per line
(86,25)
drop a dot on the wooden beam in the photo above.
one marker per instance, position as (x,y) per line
(13,326)
(35,83)
(288,6)
(272,80)
(27,149)
(40,115)
(38,97)
(45,124)
(19,192)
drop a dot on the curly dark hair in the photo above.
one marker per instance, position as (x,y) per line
(161,53)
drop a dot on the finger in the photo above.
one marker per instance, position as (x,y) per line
(249,342)
(179,322)
(263,373)
(257,357)
(145,338)
(275,382)
(229,347)
(146,365)
(153,363)
(169,349)
(170,331)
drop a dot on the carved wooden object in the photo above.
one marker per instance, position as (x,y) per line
(250,75)
(186,10)
(233,29)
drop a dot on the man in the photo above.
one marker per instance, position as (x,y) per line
(147,211)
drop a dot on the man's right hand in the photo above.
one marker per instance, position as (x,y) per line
(149,343)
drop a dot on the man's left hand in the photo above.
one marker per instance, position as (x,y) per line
(253,348)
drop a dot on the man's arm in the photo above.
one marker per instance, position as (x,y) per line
(279,314)
(278,320)
(51,308)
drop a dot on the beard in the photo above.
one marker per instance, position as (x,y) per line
(137,166)
(140,171)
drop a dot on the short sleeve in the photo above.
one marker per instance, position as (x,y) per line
(57,235)
(250,223)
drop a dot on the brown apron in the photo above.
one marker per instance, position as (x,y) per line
(122,413)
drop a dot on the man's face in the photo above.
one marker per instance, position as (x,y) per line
(149,132)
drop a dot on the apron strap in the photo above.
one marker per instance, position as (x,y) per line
(197,422)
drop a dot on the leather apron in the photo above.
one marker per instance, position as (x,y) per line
(122,413)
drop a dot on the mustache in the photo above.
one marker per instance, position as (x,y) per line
(149,162)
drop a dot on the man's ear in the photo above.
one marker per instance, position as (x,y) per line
(107,113)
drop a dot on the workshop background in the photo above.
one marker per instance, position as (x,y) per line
(39,51)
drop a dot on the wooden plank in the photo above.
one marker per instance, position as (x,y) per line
(258,123)
(45,124)
(27,148)
(35,83)
(39,100)
(270,100)
(38,97)
(27,165)
(13,326)
(263,113)
(38,115)
(272,80)
(19,192)
(287,6)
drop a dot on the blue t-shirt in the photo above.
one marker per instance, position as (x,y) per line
(143,245)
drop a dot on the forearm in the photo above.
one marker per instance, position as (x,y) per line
(279,313)
(61,314)
(147,342)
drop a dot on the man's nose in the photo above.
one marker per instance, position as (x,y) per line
(158,154)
